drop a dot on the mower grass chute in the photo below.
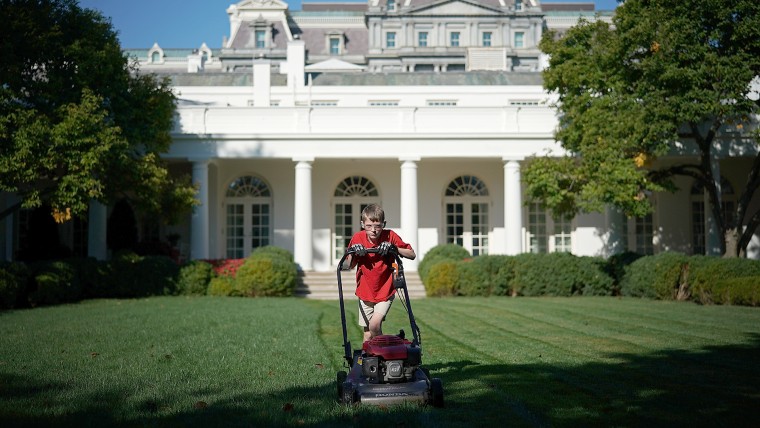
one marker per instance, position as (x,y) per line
(388,368)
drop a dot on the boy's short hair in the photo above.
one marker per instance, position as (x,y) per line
(373,212)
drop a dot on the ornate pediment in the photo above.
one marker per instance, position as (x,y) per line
(455,7)
(262,5)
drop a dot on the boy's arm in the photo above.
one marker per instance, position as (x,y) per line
(407,253)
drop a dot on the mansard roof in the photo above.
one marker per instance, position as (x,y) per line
(471,78)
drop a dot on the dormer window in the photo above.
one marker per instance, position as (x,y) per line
(518,5)
(261,39)
(391,5)
(335,42)
(156,54)
(261,34)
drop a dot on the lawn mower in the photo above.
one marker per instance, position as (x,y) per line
(388,368)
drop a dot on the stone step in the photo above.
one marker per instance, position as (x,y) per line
(324,285)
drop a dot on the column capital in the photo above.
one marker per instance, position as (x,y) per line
(300,159)
(409,159)
(513,158)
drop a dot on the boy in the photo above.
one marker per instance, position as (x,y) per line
(374,274)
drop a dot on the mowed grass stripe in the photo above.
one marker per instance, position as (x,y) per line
(684,370)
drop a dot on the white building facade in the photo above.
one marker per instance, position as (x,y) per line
(429,108)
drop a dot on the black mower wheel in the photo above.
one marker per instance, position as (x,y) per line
(348,396)
(341,378)
(436,392)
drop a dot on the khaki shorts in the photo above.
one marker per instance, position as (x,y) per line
(368,309)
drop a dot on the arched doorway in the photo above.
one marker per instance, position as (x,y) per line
(466,223)
(248,210)
(351,195)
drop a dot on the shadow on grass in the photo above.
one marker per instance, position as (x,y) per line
(714,386)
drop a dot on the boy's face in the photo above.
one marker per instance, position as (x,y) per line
(373,229)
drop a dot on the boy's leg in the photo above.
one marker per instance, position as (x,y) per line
(371,317)
(366,309)
(375,326)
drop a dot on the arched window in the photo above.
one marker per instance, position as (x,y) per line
(351,195)
(466,202)
(248,202)
(698,214)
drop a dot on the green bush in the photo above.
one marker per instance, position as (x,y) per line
(221,286)
(485,275)
(442,279)
(734,291)
(656,277)
(194,278)
(13,282)
(130,275)
(706,273)
(616,266)
(54,282)
(270,251)
(440,253)
(560,274)
(266,276)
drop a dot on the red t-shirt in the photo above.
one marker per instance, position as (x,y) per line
(374,274)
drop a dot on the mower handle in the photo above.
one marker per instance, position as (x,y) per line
(375,250)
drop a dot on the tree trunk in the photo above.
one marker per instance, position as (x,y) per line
(731,239)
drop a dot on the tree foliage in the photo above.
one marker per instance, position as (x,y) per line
(77,121)
(666,78)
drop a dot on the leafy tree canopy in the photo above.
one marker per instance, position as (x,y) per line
(666,78)
(77,122)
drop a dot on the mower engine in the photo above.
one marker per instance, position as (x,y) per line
(390,359)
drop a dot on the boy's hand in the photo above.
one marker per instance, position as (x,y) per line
(358,249)
(386,248)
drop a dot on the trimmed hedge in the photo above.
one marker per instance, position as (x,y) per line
(556,274)
(222,286)
(442,279)
(560,274)
(269,271)
(53,283)
(129,275)
(655,277)
(711,279)
(735,291)
(194,278)
(13,282)
(440,253)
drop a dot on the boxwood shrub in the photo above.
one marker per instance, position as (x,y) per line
(222,286)
(656,277)
(442,279)
(54,282)
(269,271)
(14,277)
(194,278)
(711,279)
(485,275)
(560,274)
(440,253)
(130,275)
(733,291)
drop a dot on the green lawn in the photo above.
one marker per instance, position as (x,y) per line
(272,362)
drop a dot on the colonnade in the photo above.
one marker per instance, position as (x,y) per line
(303,238)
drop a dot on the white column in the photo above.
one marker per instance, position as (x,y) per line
(303,245)
(199,233)
(97,229)
(409,208)
(713,235)
(512,207)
